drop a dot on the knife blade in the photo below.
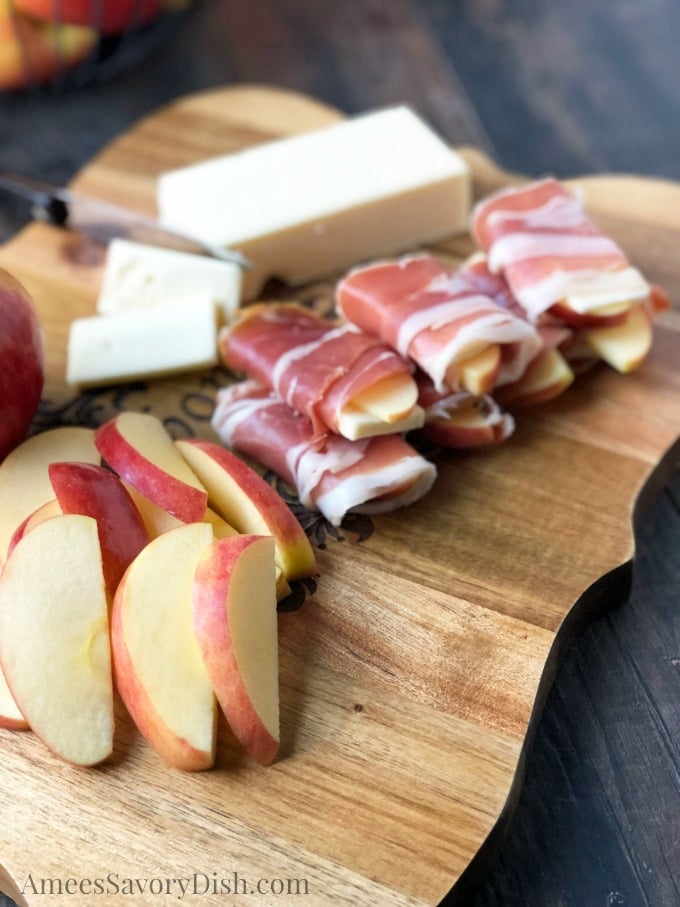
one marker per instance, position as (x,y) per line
(103,221)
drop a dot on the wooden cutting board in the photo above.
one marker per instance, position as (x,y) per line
(412,678)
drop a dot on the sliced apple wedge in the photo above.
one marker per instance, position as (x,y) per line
(10,714)
(389,400)
(478,373)
(24,480)
(475,422)
(158,667)
(625,345)
(603,316)
(221,529)
(138,447)
(156,520)
(546,376)
(94,491)
(54,638)
(234,612)
(50,509)
(249,504)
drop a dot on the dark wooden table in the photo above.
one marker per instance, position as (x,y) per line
(587,86)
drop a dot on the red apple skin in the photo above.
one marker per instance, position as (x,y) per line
(183,501)
(108,17)
(579,320)
(211,588)
(94,491)
(174,750)
(289,532)
(459,437)
(21,363)
(50,509)
(12,724)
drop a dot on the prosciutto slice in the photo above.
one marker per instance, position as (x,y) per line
(539,238)
(434,316)
(317,367)
(330,473)
(548,374)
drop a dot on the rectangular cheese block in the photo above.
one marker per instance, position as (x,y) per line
(133,346)
(138,276)
(315,204)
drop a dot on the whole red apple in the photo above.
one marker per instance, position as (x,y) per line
(21,362)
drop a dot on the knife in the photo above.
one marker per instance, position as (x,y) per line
(104,221)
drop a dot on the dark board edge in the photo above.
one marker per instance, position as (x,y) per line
(604,595)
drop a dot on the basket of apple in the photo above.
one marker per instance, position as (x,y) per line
(67,41)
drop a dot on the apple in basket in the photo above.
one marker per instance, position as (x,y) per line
(109,17)
(21,363)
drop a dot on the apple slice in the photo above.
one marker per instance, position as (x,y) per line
(54,638)
(10,714)
(625,345)
(604,316)
(50,509)
(156,520)
(249,504)
(158,667)
(24,480)
(140,450)
(478,373)
(221,529)
(94,491)
(468,425)
(546,376)
(389,400)
(234,610)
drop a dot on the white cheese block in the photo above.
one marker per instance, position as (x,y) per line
(138,276)
(303,207)
(137,345)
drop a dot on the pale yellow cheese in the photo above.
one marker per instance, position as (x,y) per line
(138,276)
(144,344)
(303,207)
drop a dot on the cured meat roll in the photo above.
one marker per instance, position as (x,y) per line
(338,376)
(330,473)
(548,374)
(456,419)
(462,338)
(556,261)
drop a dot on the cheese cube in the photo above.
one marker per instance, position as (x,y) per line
(132,346)
(314,204)
(138,276)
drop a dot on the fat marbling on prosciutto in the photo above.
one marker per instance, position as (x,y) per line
(330,473)
(539,238)
(436,317)
(340,377)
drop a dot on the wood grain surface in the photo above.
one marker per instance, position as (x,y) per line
(409,680)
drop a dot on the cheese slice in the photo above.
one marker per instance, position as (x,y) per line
(355,424)
(145,344)
(138,276)
(303,207)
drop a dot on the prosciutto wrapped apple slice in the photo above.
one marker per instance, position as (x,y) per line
(338,376)
(548,374)
(456,419)
(462,338)
(330,473)
(556,261)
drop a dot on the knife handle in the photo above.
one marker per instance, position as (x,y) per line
(46,203)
